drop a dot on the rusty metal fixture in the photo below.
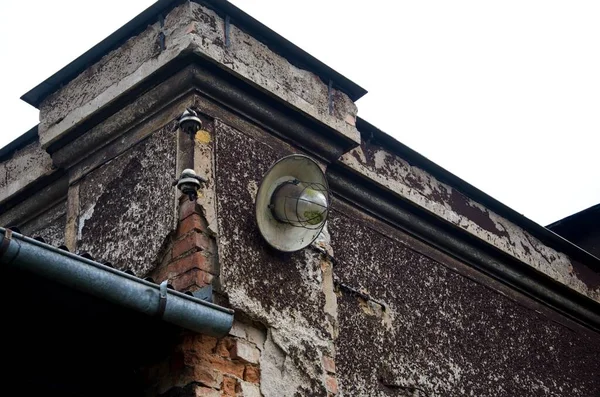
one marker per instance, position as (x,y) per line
(189,122)
(292,203)
(189,183)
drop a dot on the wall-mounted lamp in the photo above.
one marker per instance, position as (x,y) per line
(292,203)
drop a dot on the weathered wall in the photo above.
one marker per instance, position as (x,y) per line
(22,170)
(203,366)
(423,189)
(284,292)
(49,225)
(126,207)
(191,27)
(444,331)
(441,333)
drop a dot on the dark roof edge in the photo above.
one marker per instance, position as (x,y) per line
(573,217)
(19,143)
(543,234)
(276,42)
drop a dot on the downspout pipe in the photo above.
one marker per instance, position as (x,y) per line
(113,285)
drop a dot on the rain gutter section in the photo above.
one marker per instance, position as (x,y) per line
(113,285)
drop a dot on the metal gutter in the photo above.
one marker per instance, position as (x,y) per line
(462,246)
(373,134)
(19,143)
(113,285)
(276,42)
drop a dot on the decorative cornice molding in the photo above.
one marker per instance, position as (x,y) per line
(456,242)
(188,73)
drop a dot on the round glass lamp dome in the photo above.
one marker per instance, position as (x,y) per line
(292,203)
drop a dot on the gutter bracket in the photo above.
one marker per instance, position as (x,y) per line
(162,300)
(117,287)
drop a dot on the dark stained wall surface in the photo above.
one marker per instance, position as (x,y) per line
(282,291)
(50,225)
(127,206)
(443,334)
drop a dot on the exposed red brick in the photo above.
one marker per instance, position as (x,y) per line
(207,376)
(224,347)
(188,208)
(331,384)
(199,343)
(160,274)
(192,242)
(197,260)
(191,223)
(192,278)
(252,374)
(227,366)
(229,386)
(329,364)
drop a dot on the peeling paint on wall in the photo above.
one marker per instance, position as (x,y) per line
(192,27)
(126,206)
(421,188)
(284,292)
(446,335)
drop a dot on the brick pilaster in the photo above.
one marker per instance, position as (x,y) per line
(207,366)
(191,258)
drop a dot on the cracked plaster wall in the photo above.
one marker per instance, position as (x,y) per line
(126,207)
(284,292)
(414,348)
(421,188)
(191,27)
(443,334)
(24,168)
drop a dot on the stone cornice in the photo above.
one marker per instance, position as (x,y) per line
(382,203)
(193,29)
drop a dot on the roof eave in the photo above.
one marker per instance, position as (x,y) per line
(543,234)
(276,42)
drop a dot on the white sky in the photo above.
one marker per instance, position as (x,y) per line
(505,94)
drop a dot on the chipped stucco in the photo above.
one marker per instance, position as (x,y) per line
(424,190)
(22,169)
(125,211)
(284,292)
(191,27)
(442,334)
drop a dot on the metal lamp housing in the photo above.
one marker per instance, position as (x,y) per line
(292,203)
(299,204)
